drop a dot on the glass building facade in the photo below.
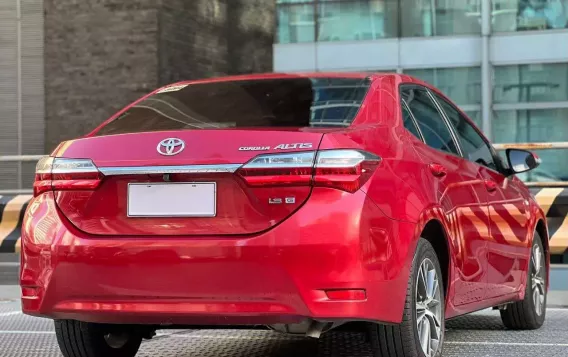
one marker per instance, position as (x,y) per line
(356,20)
(505,62)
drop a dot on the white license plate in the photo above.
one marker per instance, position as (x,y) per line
(172,199)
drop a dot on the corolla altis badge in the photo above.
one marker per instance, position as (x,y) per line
(171,146)
(277,147)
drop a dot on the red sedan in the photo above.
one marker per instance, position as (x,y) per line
(299,202)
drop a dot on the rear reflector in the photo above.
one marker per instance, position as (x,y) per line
(65,174)
(30,292)
(346,170)
(348,294)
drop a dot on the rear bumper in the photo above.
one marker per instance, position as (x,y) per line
(335,241)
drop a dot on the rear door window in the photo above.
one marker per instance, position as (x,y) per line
(473,146)
(281,102)
(430,121)
(409,123)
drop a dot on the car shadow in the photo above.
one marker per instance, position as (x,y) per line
(476,322)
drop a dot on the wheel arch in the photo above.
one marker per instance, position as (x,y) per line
(434,232)
(542,231)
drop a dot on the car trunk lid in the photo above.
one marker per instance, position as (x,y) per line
(137,178)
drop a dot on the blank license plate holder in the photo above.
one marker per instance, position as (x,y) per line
(183,199)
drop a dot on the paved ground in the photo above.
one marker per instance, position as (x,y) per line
(477,335)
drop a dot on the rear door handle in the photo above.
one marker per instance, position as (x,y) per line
(491,185)
(438,170)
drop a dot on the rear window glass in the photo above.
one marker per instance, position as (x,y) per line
(289,102)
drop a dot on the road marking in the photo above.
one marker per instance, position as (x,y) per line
(487,343)
(9,264)
(11,313)
(27,332)
(219,337)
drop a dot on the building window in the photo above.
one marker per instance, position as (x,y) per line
(537,125)
(353,20)
(356,20)
(531,83)
(516,119)
(461,85)
(296,21)
(440,17)
(520,15)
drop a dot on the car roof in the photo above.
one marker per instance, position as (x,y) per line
(283,75)
(401,78)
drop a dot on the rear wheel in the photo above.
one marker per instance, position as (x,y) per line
(529,313)
(421,333)
(82,339)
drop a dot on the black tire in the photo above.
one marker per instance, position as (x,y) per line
(82,339)
(402,340)
(523,315)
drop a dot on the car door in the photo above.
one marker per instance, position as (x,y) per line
(508,209)
(454,184)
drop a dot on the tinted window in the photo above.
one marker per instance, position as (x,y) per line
(282,102)
(436,132)
(473,146)
(409,123)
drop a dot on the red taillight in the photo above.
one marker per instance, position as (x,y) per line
(65,174)
(294,169)
(345,170)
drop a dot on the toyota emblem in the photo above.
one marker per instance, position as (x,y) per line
(171,146)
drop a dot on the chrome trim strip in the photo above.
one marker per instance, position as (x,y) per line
(72,170)
(286,165)
(183,169)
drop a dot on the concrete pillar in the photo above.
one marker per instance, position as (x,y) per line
(486,78)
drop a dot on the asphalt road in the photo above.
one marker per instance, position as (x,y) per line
(480,334)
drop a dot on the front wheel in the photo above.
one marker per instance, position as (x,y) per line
(82,339)
(529,314)
(421,333)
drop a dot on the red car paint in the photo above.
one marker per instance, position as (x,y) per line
(83,258)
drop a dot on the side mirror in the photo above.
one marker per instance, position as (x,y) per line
(522,160)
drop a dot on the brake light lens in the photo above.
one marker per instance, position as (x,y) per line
(294,169)
(346,170)
(59,174)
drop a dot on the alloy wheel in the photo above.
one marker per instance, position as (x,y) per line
(428,308)
(538,280)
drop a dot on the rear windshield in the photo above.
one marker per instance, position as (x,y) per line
(289,102)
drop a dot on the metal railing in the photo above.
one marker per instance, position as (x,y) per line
(19,158)
(537,146)
(500,147)
(532,146)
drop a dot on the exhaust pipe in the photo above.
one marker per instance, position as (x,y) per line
(308,328)
(317,328)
